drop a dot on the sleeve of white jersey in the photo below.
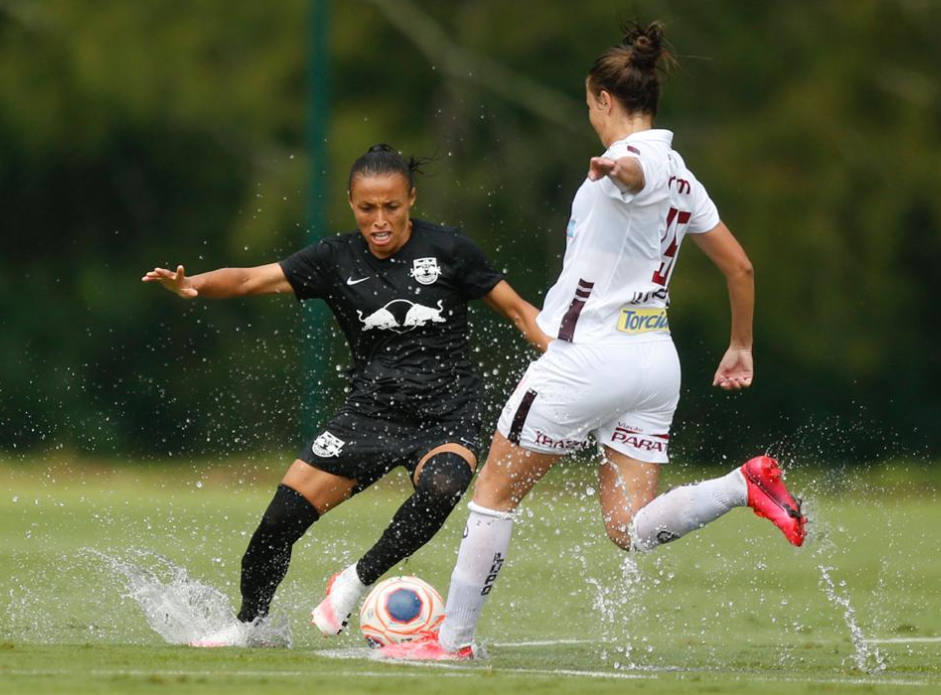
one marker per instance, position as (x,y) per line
(705,215)
(615,189)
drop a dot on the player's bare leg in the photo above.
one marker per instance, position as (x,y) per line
(625,486)
(510,473)
(323,490)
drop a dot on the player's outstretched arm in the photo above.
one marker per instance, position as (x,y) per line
(625,171)
(504,300)
(736,369)
(222,283)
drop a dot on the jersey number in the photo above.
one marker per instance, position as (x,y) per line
(669,244)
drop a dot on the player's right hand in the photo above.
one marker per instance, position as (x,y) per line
(599,167)
(176,282)
(736,370)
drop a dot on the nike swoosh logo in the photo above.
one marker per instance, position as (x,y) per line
(351,281)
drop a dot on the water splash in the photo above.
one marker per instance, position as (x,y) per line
(820,537)
(619,606)
(868,658)
(179,608)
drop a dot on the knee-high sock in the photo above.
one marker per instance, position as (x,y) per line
(482,553)
(269,552)
(687,508)
(442,481)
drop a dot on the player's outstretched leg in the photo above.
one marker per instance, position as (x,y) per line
(757,484)
(264,564)
(441,481)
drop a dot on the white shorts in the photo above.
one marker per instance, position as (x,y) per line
(624,395)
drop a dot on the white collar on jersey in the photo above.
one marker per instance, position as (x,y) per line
(651,135)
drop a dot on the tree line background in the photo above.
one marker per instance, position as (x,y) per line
(138,134)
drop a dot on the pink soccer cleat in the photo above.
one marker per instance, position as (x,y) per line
(426,648)
(770,499)
(325,616)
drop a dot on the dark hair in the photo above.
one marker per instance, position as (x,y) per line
(383,160)
(629,71)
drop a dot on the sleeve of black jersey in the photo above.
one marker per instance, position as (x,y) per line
(476,274)
(305,271)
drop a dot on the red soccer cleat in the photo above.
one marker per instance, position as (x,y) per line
(770,499)
(426,648)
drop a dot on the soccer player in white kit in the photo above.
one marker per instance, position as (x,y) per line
(612,370)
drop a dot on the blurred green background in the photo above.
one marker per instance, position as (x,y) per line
(138,134)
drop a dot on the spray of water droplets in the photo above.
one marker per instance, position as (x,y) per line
(619,605)
(866,657)
(178,607)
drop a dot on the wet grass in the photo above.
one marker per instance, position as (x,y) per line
(730,609)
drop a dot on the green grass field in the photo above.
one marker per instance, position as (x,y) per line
(731,609)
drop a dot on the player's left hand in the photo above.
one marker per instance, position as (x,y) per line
(600,167)
(735,371)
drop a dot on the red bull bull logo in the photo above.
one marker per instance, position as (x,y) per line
(401,316)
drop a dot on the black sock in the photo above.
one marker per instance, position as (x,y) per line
(269,552)
(443,479)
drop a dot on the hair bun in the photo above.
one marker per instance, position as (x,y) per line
(381,147)
(646,43)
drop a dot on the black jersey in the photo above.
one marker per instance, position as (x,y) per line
(405,317)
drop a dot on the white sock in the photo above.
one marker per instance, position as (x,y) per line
(347,591)
(687,508)
(483,550)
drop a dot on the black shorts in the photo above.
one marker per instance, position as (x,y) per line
(364,447)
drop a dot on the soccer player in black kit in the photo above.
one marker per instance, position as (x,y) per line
(399,289)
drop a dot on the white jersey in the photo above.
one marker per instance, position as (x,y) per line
(622,247)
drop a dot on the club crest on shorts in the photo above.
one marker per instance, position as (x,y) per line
(327,446)
(425,270)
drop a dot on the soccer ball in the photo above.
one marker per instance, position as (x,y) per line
(400,609)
